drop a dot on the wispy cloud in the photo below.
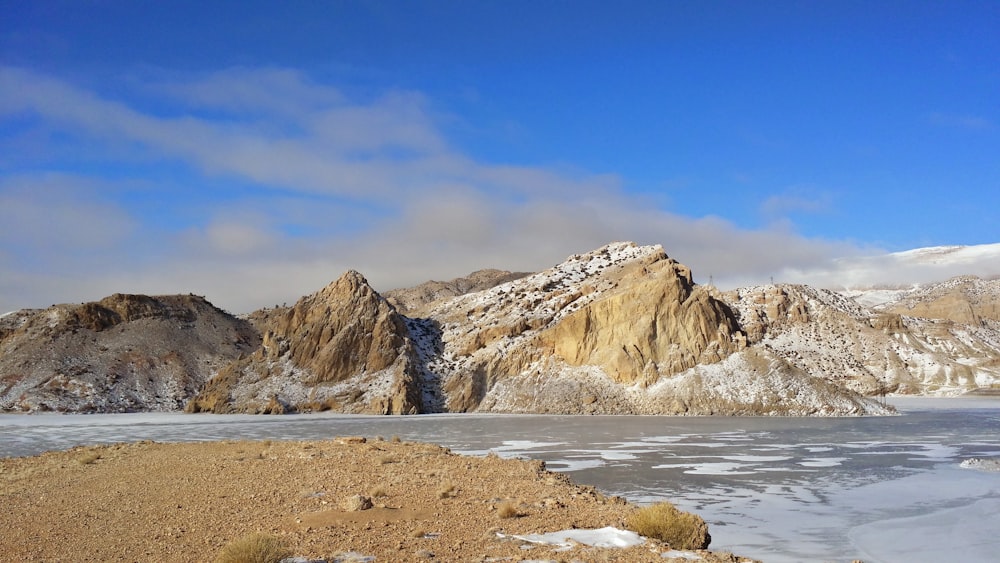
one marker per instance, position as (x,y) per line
(323,183)
(797,199)
(960,121)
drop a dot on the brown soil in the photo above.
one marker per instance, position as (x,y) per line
(184,502)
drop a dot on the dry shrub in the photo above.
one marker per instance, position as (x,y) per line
(664,522)
(255,548)
(446,490)
(88,458)
(508,510)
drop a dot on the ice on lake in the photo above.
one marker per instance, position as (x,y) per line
(777,489)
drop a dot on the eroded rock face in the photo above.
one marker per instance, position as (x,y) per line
(654,323)
(123,353)
(621,329)
(343,348)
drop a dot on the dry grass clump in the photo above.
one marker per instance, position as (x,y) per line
(664,522)
(255,548)
(88,458)
(508,510)
(446,490)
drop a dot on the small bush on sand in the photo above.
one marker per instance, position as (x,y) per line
(664,522)
(255,548)
(446,490)
(88,458)
(508,510)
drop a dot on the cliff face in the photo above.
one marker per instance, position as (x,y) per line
(123,353)
(342,348)
(654,322)
(965,299)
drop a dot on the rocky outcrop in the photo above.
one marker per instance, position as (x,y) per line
(343,348)
(123,353)
(654,323)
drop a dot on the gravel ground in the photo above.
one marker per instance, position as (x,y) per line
(184,502)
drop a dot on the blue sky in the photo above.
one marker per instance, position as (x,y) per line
(251,152)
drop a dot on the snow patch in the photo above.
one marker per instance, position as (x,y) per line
(600,537)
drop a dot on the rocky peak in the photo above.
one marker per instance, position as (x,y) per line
(653,321)
(314,353)
(345,328)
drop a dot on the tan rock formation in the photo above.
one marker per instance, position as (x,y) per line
(654,322)
(342,348)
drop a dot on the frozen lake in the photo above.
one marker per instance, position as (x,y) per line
(777,489)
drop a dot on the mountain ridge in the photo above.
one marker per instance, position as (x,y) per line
(621,329)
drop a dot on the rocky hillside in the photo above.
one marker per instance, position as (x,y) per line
(123,353)
(622,329)
(934,339)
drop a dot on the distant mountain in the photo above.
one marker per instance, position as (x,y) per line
(621,329)
(904,269)
(123,353)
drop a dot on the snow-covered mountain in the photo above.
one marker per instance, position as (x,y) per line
(902,269)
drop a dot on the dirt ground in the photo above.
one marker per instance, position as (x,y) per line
(184,502)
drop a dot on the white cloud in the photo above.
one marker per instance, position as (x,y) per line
(797,199)
(330,184)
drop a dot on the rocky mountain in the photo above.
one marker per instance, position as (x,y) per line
(933,339)
(343,348)
(622,329)
(123,353)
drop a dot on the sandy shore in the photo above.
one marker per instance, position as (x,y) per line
(184,502)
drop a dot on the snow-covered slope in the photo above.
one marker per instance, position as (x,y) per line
(882,348)
(900,270)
